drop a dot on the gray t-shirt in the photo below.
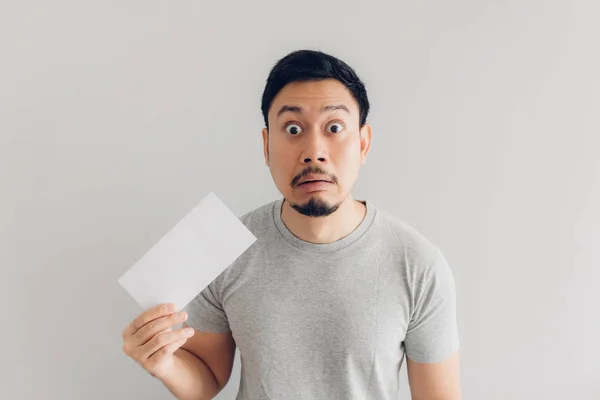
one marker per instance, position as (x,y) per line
(331,321)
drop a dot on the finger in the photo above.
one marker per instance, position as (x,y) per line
(157,358)
(162,340)
(166,350)
(147,316)
(153,328)
(132,349)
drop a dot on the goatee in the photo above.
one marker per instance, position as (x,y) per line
(315,207)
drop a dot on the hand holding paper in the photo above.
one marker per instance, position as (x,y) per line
(151,342)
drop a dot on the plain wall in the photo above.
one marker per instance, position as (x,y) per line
(117,117)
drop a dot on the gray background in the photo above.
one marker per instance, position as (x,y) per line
(116,117)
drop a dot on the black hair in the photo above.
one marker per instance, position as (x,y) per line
(313,65)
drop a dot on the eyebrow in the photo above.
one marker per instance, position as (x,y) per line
(300,110)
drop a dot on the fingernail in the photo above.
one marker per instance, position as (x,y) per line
(189,332)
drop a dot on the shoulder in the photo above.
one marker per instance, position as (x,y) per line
(405,241)
(421,262)
(259,221)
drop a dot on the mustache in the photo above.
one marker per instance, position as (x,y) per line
(316,170)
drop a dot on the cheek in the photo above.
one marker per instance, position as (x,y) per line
(349,163)
(279,156)
(281,162)
(350,154)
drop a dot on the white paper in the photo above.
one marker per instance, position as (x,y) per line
(188,257)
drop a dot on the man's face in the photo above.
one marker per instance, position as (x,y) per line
(314,146)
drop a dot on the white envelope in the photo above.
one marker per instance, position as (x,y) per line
(188,257)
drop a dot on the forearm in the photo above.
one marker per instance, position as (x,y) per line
(190,378)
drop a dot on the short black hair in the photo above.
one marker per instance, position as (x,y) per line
(313,65)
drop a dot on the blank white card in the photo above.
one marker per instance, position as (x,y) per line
(188,257)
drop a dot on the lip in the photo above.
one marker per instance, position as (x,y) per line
(310,187)
(314,178)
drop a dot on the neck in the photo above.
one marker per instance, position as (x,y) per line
(324,229)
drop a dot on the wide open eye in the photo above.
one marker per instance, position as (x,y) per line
(338,127)
(293,129)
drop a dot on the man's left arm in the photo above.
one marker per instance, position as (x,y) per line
(431,342)
(435,381)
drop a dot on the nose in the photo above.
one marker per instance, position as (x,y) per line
(314,149)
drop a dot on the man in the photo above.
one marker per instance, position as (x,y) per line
(335,292)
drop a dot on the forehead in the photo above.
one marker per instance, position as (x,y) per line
(312,95)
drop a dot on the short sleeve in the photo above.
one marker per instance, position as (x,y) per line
(432,334)
(206,313)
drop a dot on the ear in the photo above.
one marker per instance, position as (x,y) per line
(366,134)
(265,135)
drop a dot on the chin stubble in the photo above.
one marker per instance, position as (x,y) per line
(315,207)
